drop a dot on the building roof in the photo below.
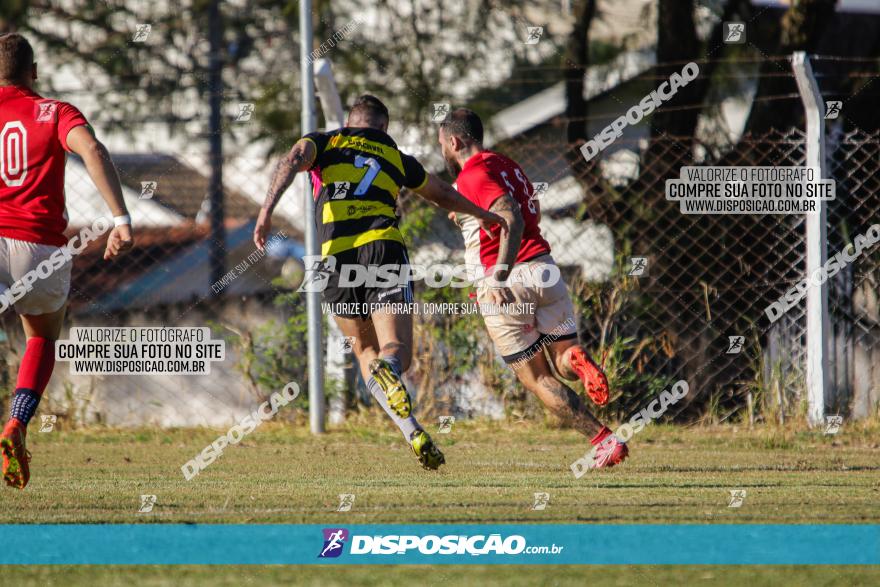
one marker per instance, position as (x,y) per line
(179,187)
(169,261)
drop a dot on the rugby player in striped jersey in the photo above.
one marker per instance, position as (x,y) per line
(357,173)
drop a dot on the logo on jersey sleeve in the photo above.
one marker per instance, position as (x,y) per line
(47,112)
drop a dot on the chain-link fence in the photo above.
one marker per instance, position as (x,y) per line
(660,295)
(665,296)
(854,162)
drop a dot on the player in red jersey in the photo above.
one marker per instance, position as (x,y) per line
(520,270)
(35,135)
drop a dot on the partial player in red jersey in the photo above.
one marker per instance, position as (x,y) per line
(520,271)
(35,135)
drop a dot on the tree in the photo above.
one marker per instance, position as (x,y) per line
(411,53)
(801,29)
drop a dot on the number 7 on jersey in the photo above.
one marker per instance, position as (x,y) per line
(372,171)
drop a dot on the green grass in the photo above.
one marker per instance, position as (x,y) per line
(283,475)
(485,576)
(280,474)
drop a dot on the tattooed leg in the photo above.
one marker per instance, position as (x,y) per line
(558,397)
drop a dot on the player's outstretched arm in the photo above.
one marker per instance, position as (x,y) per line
(100,168)
(441,194)
(300,158)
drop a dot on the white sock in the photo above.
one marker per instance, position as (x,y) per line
(407,425)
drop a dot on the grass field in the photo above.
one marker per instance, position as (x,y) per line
(283,475)
(459,576)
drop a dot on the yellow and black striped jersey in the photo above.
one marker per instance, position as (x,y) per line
(357,174)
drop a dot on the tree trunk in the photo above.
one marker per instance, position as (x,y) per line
(577,59)
(801,30)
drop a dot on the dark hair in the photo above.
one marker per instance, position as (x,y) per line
(370,109)
(16,57)
(464,124)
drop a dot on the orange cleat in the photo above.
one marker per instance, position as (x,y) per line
(16,472)
(595,382)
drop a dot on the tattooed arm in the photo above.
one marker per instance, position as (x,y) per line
(300,158)
(509,209)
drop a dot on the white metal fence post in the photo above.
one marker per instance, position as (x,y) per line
(334,116)
(313,299)
(818,324)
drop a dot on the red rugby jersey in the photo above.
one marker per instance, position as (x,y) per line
(33,145)
(484,178)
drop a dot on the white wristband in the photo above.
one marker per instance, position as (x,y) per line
(120,220)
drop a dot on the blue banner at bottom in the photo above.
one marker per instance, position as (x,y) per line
(271,544)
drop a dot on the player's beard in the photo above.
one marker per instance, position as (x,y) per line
(452,167)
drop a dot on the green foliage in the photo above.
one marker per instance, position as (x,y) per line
(165,77)
(626,359)
(777,388)
(416,218)
(408,61)
(272,355)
